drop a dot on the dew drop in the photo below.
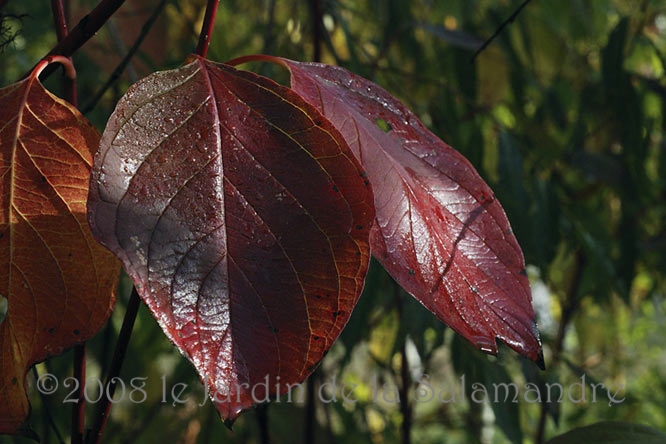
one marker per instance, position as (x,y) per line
(484,344)
(485,197)
(129,165)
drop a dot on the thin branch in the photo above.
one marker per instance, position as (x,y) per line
(317,28)
(310,408)
(568,310)
(406,408)
(262,420)
(207,27)
(145,29)
(47,410)
(60,19)
(84,30)
(78,409)
(405,405)
(269,34)
(95,436)
(120,46)
(499,30)
(211,419)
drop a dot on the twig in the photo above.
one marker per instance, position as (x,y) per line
(568,310)
(310,407)
(84,30)
(405,405)
(317,31)
(262,420)
(211,419)
(95,436)
(504,24)
(406,408)
(269,34)
(60,20)
(47,410)
(120,46)
(207,27)
(145,29)
(79,408)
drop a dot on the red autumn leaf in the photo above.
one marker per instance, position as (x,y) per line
(243,219)
(439,231)
(59,282)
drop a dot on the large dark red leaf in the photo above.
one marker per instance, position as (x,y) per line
(439,231)
(243,219)
(59,282)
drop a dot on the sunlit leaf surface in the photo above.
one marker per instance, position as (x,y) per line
(58,281)
(439,232)
(243,219)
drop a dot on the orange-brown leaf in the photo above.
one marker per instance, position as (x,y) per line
(59,282)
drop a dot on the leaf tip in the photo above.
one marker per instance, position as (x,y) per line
(229,423)
(539,361)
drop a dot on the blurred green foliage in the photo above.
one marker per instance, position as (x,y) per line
(563,114)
